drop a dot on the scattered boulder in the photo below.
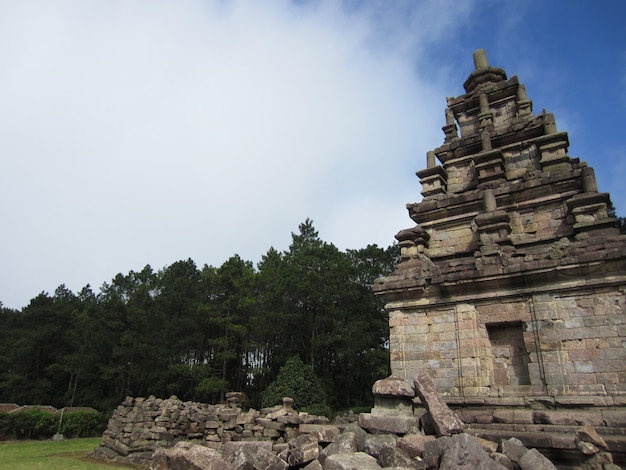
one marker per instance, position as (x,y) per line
(302,450)
(246,458)
(391,456)
(535,460)
(346,443)
(465,452)
(589,434)
(414,444)
(433,450)
(503,460)
(359,433)
(514,449)
(186,456)
(356,461)
(375,442)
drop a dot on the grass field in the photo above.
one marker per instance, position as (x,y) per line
(51,455)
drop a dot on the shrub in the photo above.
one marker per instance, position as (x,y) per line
(35,423)
(296,380)
(83,424)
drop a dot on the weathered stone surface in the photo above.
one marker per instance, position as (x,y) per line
(433,451)
(393,386)
(185,456)
(302,450)
(414,444)
(502,460)
(139,426)
(359,433)
(589,434)
(315,465)
(327,434)
(488,446)
(247,458)
(535,460)
(445,421)
(346,443)
(356,461)
(465,452)
(387,423)
(375,442)
(599,461)
(587,448)
(511,287)
(514,449)
(390,456)
(230,448)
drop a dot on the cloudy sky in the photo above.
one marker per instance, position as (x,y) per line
(138,132)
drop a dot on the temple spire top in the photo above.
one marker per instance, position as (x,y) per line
(480,59)
(483,72)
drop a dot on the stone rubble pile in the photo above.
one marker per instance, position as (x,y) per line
(174,435)
(139,426)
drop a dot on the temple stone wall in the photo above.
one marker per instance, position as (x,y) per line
(511,290)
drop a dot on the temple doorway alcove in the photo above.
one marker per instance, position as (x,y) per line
(509,356)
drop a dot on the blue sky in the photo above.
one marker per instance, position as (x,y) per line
(138,132)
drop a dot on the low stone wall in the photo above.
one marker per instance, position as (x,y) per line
(139,426)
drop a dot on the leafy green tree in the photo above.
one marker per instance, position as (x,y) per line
(298,381)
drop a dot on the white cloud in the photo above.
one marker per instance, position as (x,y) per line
(146,132)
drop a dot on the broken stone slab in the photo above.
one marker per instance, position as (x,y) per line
(444,420)
(513,448)
(414,444)
(231,447)
(359,433)
(535,460)
(356,461)
(387,423)
(315,465)
(389,456)
(503,460)
(261,459)
(587,448)
(433,450)
(302,450)
(346,443)
(375,442)
(589,434)
(186,456)
(465,452)
(327,434)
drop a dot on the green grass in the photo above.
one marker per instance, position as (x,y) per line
(52,455)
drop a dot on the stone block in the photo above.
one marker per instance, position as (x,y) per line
(387,423)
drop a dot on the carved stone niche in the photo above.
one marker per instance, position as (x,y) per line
(489,167)
(434,181)
(412,241)
(590,213)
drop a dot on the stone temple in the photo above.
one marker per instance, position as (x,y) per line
(511,289)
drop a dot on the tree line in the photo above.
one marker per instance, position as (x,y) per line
(199,332)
